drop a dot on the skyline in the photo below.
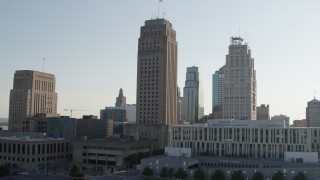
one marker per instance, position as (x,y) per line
(86,45)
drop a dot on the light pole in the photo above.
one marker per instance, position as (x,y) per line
(292,173)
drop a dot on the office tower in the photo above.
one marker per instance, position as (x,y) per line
(263,112)
(192,106)
(121,100)
(281,117)
(313,113)
(33,93)
(157,73)
(217,94)
(156,82)
(239,82)
(179,108)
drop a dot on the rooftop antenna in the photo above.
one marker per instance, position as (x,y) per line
(239,31)
(315,93)
(44,59)
(163,15)
(160,1)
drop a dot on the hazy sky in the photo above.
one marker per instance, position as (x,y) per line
(91,47)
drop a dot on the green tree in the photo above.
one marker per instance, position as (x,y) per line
(171,172)
(4,170)
(147,171)
(237,175)
(278,176)
(164,172)
(181,174)
(76,172)
(218,175)
(257,176)
(199,174)
(300,176)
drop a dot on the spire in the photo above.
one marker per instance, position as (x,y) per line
(120,100)
(120,92)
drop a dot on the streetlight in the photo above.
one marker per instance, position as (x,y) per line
(292,173)
(208,174)
(244,174)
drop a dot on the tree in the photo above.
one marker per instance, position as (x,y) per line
(76,172)
(171,172)
(147,171)
(278,176)
(237,175)
(257,176)
(300,176)
(218,175)
(181,174)
(4,170)
(164,172)
(199,174)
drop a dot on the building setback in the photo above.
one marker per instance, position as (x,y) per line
(192,103)
(33,93)
(239,82)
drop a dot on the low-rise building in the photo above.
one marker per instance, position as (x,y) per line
(259,139)
(107,152)
(32,153)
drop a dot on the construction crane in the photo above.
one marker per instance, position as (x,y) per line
(71,110)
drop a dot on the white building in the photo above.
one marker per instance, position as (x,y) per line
(131,113)
(264,139)
(192,103)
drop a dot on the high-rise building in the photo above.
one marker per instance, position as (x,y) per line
(217,94)
(157,73)
(299,123)
(121,100)
(239,82)
(192,106)
(313,113)
(263,112)
(179,104)
(33,93)
(156,82)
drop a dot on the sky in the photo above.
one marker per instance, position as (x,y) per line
(91,47)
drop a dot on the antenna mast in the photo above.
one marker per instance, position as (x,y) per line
(44,59)
(159,8)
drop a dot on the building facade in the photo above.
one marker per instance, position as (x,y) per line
(107,152)
(217,94)
(281,117)
(117,114)
(313,113)
(179,104)
(259,139)
(263,112)
(33,93)
(239,82)
(131,110)
(121,101)
(157,73)
(300,123)
(33,153)
(156,82)
(192,103)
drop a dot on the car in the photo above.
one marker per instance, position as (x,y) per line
(22,173)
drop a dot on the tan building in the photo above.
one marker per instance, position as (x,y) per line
(300,123)
(157,73)
(33,93)
(33,153)
(156,79)
(107,152)
(263,112)
(239,92)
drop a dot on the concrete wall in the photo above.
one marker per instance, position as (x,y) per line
(311,157)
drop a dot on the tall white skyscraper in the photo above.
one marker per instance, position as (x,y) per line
(239,82)
(193,106)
